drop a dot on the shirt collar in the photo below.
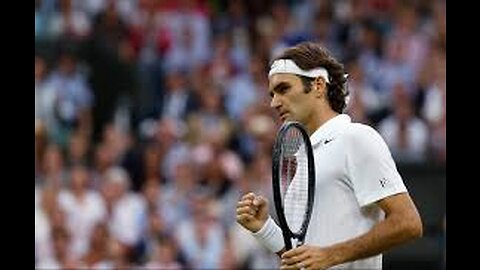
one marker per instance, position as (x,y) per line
(329,128)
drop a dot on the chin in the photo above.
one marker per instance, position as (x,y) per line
(286,119)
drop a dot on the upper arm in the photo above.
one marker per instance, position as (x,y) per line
(371,168)
(401,208)
(399,204)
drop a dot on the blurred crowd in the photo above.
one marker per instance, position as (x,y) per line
(152,116)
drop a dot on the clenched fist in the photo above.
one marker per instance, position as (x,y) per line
(252,212)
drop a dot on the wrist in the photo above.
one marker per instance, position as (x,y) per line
(262,227)
(335,255)
(270,236)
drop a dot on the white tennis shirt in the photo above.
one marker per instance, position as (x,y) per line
(354,169)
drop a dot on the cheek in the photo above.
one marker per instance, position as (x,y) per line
(299,103)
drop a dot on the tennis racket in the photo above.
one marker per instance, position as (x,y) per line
(293,182)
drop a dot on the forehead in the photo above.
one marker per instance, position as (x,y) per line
(278,78)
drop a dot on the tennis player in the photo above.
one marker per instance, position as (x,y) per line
(361,207)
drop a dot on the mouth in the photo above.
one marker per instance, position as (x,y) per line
(283,116)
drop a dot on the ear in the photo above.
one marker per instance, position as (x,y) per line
(319,87)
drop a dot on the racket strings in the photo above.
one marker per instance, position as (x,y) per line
(294,179)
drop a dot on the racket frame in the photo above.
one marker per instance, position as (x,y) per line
(288,235)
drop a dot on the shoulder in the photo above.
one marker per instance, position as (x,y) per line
(364,141)
(360,133)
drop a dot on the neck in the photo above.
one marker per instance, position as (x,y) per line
(319,117)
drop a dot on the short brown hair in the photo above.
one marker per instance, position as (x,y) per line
(308,55)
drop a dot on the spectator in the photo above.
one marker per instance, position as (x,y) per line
(120,254)
(42,14)
(43,111)
(209,119)
(364,104)
(222,188)
(72,99)
(78,149)
(171,146)
(405,134)
(69,23)
(44,96)
(200,236)
(178,100)
(189,25)
(103,159)
(108,54)
(434,109)
(152,165)
(97,256)
(84,208)
(245,88)
(164,255)
(151,40)
(53,172)
(125,209)
(61,258)
(155,228)
(45,208)
(178,190)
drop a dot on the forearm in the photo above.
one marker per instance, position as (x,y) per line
(384,235)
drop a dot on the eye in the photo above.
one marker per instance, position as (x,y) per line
(283,89)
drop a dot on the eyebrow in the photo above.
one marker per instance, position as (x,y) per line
(279,86)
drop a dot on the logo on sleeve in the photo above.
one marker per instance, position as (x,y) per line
(383,182)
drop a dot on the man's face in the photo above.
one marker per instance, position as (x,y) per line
(289,98)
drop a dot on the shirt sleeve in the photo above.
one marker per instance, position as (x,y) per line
(370,166)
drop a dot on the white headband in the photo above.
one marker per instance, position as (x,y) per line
(288,66)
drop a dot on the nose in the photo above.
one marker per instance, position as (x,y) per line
(275,102)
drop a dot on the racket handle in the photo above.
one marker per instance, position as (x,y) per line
(288,241)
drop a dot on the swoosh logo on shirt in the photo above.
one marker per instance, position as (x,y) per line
(328,140)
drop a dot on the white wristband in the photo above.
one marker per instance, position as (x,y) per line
(270,236)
